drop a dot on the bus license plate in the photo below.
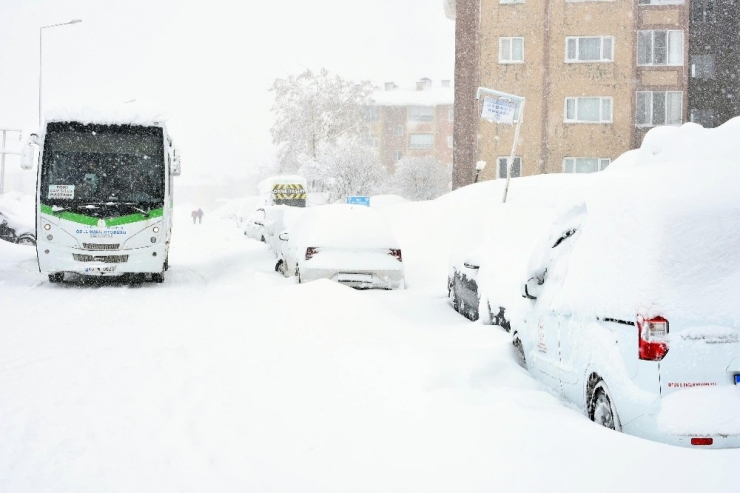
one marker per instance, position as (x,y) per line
(100,270)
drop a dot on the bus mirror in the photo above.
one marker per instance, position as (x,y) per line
(28,154)
(176,168)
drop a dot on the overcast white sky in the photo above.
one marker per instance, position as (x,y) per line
(210,63)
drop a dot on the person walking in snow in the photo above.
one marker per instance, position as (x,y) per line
(194,215)
(200,215)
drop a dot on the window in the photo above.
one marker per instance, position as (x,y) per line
(704,117)
(516,168)
(372,141)
(585,164)
(660,48)
(398,155)
(511,50)
(588,110)
(702,10)
(449,141)
(421,113)
(589,49)
(661,2)
(451,115)
(510,1)
(372,113)
(398,130)
(659,108)
(421,141)
(702,66)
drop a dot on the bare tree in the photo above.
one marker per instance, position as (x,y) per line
(421,178)
(346,167)
(313,110)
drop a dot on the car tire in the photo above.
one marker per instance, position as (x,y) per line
(26,239)
(600,407)
(298,273)
(56,277)
(279,266)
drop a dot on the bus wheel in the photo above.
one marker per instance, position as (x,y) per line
(158,278)
(56,277)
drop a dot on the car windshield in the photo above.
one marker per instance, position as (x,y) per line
(102,164)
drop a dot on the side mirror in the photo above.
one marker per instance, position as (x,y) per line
(283,236)
(28,152)
(176,167)
(531,289)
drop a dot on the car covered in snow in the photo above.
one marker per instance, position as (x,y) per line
(16,219)
(631,308)
(348,244)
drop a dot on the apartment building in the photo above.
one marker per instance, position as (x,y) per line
(411,122)
(596,75)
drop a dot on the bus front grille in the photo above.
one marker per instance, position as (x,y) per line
(107,259)
(101,246)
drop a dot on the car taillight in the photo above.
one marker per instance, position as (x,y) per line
(310,252)
(396,253)
(653,334)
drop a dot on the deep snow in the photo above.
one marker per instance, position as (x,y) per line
(228,377)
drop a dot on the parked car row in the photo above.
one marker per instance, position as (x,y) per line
(13,228)
(625,302)
(351,245)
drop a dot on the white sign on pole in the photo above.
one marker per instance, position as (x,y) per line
(498,110)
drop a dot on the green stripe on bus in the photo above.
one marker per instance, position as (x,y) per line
(109,222)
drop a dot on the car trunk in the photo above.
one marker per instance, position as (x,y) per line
(353,260)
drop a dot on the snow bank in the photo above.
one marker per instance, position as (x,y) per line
(701,411)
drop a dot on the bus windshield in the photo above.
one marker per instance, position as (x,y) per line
(100,164)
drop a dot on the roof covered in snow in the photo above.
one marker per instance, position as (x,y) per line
(429,96)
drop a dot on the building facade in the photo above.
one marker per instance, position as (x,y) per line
(597,75)
(412,122)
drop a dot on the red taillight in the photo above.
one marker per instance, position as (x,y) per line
(310,252)
(396,253)
(653,337)
(702,441)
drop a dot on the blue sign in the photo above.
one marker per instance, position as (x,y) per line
(358,200)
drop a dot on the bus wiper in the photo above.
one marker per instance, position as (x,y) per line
(72,207)
(132,205)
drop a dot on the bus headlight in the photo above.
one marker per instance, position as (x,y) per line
(155,229)
(47,226)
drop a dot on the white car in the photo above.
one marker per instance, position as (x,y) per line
(255,224)
(631,304)
(348,244)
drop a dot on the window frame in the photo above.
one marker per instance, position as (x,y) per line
(648,3)
(651,107)
(423,118)
(667,48)
(372,113)
(574,159)
(510,39)
(417,148)
(505,159)
(601,49)
(601,99)
(397,155)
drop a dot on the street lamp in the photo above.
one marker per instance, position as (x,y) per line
(478,168)
(41,45)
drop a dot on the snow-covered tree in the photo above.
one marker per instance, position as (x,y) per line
(345,167)
(421,178)
(313,111)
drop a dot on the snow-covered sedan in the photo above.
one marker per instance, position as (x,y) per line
(348,244)
(632,309)
(16,224)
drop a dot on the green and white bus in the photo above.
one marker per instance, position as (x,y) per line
(104,199)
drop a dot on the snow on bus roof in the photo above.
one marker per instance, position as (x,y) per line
(107,115)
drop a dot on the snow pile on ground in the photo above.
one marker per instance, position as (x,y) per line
(18,210)
(701,411)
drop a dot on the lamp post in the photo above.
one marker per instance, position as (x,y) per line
(478,168)
(41,46)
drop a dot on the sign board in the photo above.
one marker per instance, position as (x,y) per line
(289,194)
(358,200)
(498,110)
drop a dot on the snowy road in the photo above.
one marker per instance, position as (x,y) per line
(230,378)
